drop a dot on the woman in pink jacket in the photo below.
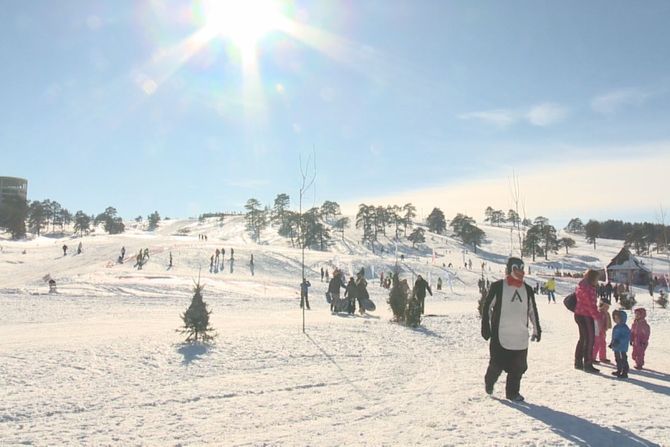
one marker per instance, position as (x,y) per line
(586,312)
(639,336)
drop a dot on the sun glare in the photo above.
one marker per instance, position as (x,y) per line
(242,21)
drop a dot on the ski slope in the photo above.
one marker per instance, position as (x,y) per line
(101,363)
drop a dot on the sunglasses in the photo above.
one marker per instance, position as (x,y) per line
(517,267)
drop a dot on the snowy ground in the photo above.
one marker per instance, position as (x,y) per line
(100,363)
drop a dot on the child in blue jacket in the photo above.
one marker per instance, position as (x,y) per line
(620,342)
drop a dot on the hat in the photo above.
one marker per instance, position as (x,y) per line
(513,261)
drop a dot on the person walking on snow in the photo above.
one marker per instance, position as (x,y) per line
(639,336)
(251,265)
(420,287)
(601,325)
(509,305)
(586,312)
(350,294)
(64,250)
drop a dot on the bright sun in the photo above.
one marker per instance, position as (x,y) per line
(242,21)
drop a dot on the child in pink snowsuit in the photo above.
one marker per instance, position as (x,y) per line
(639,336)
(603,323)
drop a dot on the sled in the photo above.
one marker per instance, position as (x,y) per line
(368,305)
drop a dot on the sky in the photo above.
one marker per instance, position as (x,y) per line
(190,107)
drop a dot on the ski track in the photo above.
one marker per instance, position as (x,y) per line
(100,362)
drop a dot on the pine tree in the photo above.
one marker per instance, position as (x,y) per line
(82,222)
(153,219)
(196,318)
(417,236)
(436,221)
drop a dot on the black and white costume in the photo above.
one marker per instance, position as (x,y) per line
(507,311)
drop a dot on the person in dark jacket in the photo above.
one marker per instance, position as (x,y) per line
(304,293)
(351,295)
(420,287)
(509,305)
(336,282)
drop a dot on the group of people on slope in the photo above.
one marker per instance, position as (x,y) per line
(509,307)
(354,291)
(593,321)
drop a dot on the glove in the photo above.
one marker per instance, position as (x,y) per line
(486,332)
(536,337)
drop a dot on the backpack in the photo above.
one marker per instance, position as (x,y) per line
(570,301)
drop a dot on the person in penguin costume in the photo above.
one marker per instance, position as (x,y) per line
(509,305)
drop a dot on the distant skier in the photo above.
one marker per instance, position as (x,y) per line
(216,258)
(79,248)
(64,250)
(170,265)
(304,293)
(439,283)
(123,253)
(211,264)
(322,274)
(251,265)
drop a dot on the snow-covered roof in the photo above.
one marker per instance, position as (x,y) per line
(625,260)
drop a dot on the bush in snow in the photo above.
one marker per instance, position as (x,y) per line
(398,298)
(413,312)
(196,318)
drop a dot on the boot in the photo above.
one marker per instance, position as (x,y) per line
(590,369)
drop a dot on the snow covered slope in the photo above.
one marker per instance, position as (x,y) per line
(100,362)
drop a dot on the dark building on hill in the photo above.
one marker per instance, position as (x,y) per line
(626,268)
(13,186)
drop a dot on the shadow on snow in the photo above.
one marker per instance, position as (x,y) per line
(578,430)
(192,351)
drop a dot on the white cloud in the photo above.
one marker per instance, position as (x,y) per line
(546,114)
(614,101)
(635,182)
(499,117)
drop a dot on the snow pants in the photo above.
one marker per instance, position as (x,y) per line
(514,363)
(600,348)
(638,354)
(621,363)
(584,348)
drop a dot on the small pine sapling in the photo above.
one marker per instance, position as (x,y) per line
(196,318)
